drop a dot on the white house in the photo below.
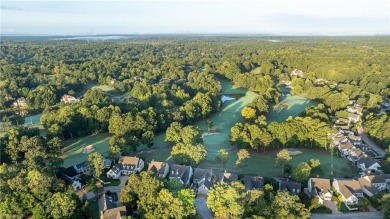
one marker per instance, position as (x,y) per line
(345,148)
(350,191)
(20,103)
(68,99)
(181,172)
(368,163)
(355,154)
(373,184)
(320,188)
(126,166)
(161,169)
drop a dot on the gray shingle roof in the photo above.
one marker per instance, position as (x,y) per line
(227,177)
(180,171)
(253,182)
(290,186)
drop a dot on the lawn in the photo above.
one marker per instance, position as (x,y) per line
(289,106)
(73,150)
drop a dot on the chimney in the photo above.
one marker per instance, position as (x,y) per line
(177,171)
(173,171)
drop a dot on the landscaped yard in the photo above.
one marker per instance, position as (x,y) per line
(73,150)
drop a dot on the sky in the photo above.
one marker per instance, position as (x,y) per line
(279,17)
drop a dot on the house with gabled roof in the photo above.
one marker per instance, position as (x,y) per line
(109,210)
(339,139)
(161,169)
(353,117)
(181,172)
(204,180)
(355,109)
(253,182)
(355,139)
(68,99)
(126,166)
(350,191)
(320,188)
(297,73)
(290,186)
(342,120)
(355,154)
(345,148)
(20,103)
(227,177)
(368,163)
(373,184)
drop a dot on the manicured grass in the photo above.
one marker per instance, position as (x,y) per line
(294,105)
(103,87)
(73,150)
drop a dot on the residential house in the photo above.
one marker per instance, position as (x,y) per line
(126,166)
(356,140)
(367,163)
(343,130)
(339,139)
(342,120)
(161,169)
(320,188)
(291,186)
(181,172)
(353,117)
(373,184)
(68,99)
(227,177)
(20,103)
(350,191)
(73,180)
(253,182)
(297,73)
(203,178)
(355,109)
(81,167)
(109,210)
(345,148)
(355,154)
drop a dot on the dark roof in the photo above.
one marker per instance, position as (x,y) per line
(227,177)
(253,182)
(82,165)
(367,161)
(105,204)
(180,171)
(70,171)
(290,186)
(200,174)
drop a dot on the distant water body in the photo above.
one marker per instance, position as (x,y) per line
(94,38)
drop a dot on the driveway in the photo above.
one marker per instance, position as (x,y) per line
(358,215)
(332,206)
(91,194)
(201,209)
(370,142)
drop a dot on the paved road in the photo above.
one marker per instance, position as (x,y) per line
(202,209)
(359,215)
(370,142)
(91,194)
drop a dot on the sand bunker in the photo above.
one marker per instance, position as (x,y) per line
(88,149)
(293,151)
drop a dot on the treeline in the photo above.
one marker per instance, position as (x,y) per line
(28,183)
(378,126)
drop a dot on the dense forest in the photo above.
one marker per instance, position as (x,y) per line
(162,83)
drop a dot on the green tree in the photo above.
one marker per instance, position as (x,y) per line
(61,205)
(288,206)
(301,172)
(385,205)
(96,162)
(283,158)
(147,138)
(188,154)
(243,156)
(248,113)
(39,212)
(222,157)
(227,201)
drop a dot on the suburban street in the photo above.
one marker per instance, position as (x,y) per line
(201,208)
(360,215)
(370,142)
